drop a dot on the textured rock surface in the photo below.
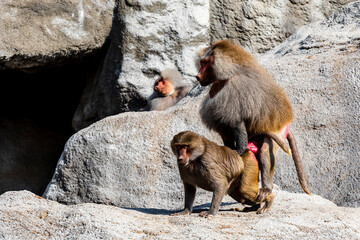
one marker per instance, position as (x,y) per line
(319,66)
(36,33)
(262,24)
(23,215)
(147,37)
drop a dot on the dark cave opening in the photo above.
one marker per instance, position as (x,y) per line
(36,111)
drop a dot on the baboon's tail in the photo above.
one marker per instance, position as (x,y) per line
(298,165)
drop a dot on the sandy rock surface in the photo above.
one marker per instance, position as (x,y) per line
(24,215)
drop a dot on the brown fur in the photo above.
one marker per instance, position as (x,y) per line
(174,82)
(250,103)
(244,188)
(217,169)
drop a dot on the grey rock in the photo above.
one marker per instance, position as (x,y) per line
(262,25)
(38,33)
(24,215)
(147,37)
(319,67)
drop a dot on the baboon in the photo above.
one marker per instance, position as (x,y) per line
(245,101)
(169,89)
(219,169)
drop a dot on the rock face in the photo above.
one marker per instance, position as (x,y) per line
(262,25)
(126,159)
(24,215)
(38,33)
(319,66)
(147,37)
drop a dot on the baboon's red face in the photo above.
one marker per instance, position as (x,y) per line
(206,74)
(183,155)
(163,87)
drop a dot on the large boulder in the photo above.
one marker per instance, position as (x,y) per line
(262,25)
(24,215)
(36,33)
(147,37)
(126,159)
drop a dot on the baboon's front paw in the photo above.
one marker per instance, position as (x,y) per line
(262,194)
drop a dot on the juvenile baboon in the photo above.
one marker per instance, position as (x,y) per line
(169,89)
(245,101)
(219,169)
